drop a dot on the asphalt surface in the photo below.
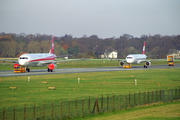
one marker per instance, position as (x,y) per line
(82,70)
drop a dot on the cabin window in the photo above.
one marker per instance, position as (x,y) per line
(23,57)
(129,57)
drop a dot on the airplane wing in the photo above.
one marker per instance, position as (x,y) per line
(42,63)
(63,56)
(70,60)
(13,61)
(141,61)
(153,56)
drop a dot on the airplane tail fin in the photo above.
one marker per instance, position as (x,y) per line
(52,46)
(143,48)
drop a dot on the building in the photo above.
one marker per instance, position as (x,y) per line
(109,53)
(176,55)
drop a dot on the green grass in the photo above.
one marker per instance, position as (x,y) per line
(168,111)
(91,84)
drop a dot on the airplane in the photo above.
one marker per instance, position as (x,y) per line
(38,60)
(136,59)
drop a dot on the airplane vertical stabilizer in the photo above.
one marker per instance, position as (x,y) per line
(143,48)
(52,46)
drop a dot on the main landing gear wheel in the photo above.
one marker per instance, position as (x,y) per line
(27,69)
(145,66)
(49,70)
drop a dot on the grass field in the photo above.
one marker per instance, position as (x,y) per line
(91,84)
(169,111)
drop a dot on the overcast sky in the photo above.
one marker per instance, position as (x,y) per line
(104,18)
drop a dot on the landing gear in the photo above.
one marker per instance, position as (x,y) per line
(27,69)
(145,66)
(49,70)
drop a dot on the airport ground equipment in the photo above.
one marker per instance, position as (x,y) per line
(19,69)
(170,60)
(127,66)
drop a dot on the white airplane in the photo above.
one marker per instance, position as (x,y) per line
(136,59)
(38,60)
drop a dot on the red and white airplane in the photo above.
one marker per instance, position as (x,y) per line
(38,59)
(137,59)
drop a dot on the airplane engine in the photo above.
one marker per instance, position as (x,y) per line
(51,66)
(121,63)
(148,63)
(15,65)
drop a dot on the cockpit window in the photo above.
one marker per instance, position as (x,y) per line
(129,57)
(23,57)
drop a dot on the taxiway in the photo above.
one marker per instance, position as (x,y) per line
(82,70)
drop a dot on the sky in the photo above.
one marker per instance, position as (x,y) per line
(104,18)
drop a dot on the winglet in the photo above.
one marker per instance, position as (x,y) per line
(143,48)
(52,46)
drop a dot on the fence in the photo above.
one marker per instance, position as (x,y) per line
(86,106)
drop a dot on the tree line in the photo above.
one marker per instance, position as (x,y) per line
(13,45)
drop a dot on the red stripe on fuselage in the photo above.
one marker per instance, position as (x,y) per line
(42,59)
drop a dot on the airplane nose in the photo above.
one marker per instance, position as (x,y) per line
(21,62)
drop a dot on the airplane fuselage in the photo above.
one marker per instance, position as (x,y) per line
(136,58)
(36,60)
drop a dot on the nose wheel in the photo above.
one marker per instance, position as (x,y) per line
(145,66)
(27,69)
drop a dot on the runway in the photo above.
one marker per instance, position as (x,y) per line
(82,70)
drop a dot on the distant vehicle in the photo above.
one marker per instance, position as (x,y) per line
(170,59)
(37,60)
(136,59)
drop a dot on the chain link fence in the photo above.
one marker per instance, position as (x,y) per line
(90,105)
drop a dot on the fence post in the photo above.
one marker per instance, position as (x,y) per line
(119,102)
(129,100)
(76,107)
(163,95)
(83,106)
(160,95)
(176,93)
(139,97)
(3,113)
(113,101)
(14,114)
(52,111)
(107,103)
(68,107)
(124,101)
(148,97)
(61,110)
(179,92)
(89,106)
(171,95)
(156,95)
(152,97)
(43,110)
(24,111)
(95,106)
(134,99)
(34,112)
(168,94)
(102,104)
(144,97)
